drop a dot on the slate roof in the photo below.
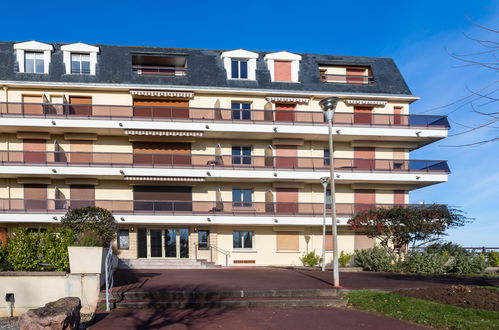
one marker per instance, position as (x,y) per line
(205,69)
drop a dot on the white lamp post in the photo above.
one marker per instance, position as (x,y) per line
(325,182)
(328,105)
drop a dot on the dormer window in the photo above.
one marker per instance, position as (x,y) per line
(240,64)
(33,56)
(80,58)
(159,64)
(34,62)
(80,63)
(283,66)
(239,69)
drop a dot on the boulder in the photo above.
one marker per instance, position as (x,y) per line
(61,314)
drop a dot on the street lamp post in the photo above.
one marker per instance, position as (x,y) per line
(328,105)
(325,182)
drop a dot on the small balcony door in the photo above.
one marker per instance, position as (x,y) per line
(362,115)
(364,158)
(287,200)
(286,156)
(35,151)
(364,199)
(285,112)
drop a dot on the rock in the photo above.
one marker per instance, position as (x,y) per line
(61,314)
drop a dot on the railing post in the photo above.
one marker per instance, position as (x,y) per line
(196,251)
(226,260)
(211,254)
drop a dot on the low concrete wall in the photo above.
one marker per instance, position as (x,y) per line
(35,289)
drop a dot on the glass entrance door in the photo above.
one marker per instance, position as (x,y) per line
(163,243)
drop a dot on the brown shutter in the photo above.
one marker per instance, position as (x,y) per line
(32,105)
(287,200)
(286,156)
(81,151)
(161,108)
(282,70)
(362,242)
(162,153)
(399,197)
(35,197)
(397,118)
(80,105)
(364,158)
(162,198)
(362,115)
(287,240)
(285,112)
(82,195)
(356,76)
(35,151)
(329,241)
(364,199)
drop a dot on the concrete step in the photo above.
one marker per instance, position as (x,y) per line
(234,303)
(166,264)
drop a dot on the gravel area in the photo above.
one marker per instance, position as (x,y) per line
(9,323)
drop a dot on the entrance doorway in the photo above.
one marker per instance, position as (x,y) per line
(163,243)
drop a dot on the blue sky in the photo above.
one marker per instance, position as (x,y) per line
(414,33)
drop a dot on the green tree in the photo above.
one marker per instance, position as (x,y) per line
(22,250)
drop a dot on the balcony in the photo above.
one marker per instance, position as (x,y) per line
(239,162)
(191,114)
(183,208)
(159,64)
(159,70)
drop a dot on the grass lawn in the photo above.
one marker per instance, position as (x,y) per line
(423,312)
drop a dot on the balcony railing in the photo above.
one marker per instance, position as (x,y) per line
(108,159)
(159,70)
(183,207)
(122,112)
(347,79)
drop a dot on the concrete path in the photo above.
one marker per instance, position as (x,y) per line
(251,318)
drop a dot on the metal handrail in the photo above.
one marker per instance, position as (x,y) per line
(160,70)
(348,79)
(212,247)
(122,159)
(198,114)
(109,272)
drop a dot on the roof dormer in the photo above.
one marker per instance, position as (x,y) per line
(33,56)
(283,66)
(240,64)
(80,58)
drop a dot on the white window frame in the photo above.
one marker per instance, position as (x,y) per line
(240,55)
(80,61)
(284,56)
(82,49)
(36,47)
(243,247)
(37,56)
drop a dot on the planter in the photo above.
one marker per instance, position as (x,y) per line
(86,259)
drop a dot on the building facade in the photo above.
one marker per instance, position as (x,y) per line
(206,154)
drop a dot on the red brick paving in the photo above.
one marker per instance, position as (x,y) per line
(277,279)
(246,319)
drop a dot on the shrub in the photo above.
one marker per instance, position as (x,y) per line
(375,259)
(3,254)
(422,262)
(345,258)
(468,264)
(310,259)
(88,238)
(54,245)
(92,218)
(447,249)
(493,258)
(22,250)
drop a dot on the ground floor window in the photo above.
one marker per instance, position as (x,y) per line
(288,240)
(242,240)
(123,239)
(203,239)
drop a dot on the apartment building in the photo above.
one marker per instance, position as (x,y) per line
(206,154)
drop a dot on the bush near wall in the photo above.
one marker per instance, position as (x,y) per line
(34,251)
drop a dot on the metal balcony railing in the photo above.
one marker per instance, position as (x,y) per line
(159,70)
(103,159)
(347,79)
(191,114)
(184,207)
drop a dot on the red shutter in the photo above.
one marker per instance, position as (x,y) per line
(399,197)
(364,199)
(35,151)
(161,108)
(364,158)
(80,106)
(35,197)
(282,70)
(362,115)
(285,112)
(287,200)
(82,195)
(286,156)
(397,118)
(162,153)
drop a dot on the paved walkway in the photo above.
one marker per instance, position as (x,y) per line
(277,279)
(251,318)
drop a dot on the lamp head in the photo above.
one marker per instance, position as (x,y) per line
(325,181)
(329,103)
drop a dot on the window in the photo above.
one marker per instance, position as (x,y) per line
(288,240)
(329,200)
(241,111)
(203,239)
(80,63)
(327,157)
(34,62)
(241,155)
(239,69)
(242,197)
(123,239)
(242,240)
